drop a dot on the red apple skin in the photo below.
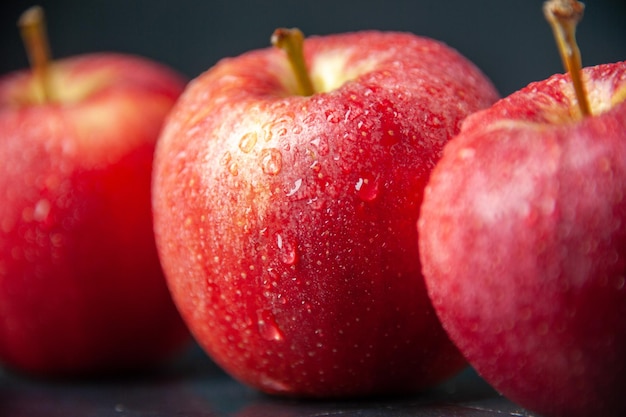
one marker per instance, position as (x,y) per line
(523,245)
(81,288)
(285,224)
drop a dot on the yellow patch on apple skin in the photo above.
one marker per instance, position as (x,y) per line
(70,87)
(331,69)
(551,110)
(619,96)
(600,94)
(548,110)
(100,123)
(65,86)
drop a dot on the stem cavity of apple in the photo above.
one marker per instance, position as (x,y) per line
(292,42)
(563,16)
(33,30)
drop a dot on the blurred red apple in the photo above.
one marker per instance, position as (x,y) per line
(285,210)
(523,244)
(81,288)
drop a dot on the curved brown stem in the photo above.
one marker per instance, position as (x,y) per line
(563,16)
(33,30)
(292,41)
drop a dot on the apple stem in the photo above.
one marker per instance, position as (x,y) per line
(563,16)
(32,27)
(292,42)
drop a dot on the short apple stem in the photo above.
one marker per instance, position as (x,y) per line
(33,30)
(563,16)
(292,42)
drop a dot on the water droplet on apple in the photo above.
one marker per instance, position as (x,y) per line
(331,117)
(390,138)
(288,256)
(282,299)
(268,328)
(268,135)
(287,250)
(366,188)
(274,385)
(233,168)
(247,142)
(271,161)
(294,189)
(434,121)
(321,144)
(612,258)
(279,241)
(315,166)
(276,128)
(316,203)
(225,159)
(42,209)
(56,239)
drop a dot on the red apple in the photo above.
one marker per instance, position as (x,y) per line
(81,288)
(522,237)
(285,223)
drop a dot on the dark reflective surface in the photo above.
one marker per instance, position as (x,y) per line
(193,386)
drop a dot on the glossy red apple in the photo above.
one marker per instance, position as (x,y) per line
(285,218)
(523,244)
(81,288)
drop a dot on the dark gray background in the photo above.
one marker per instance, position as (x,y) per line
(508,39)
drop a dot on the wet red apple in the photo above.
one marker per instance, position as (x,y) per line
(285,203)
(81,288)
(523,242)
